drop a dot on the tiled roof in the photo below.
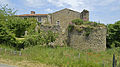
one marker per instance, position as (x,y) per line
(33,15)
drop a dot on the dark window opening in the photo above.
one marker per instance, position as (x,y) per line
(58,22)
(39,19)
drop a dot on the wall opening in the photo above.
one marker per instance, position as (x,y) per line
(57,22)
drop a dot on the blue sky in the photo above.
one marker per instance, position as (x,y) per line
(103,11)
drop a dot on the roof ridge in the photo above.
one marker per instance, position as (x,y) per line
(31,14)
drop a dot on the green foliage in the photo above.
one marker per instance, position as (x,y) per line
(70,27)
(5,35)
(40,39)
(77,21)
(88,30)
(32,24)
(91,23)
(87,26)
(19,44)
(50,37)
(11,26)
(64,57)
(17,25)
(30,41)
(113,38)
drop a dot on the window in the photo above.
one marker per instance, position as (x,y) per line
(39,19)
(58,22)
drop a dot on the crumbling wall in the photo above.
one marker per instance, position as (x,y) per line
(56,29)
(95,41)
(53,28)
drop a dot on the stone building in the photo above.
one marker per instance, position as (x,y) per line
(62,17)
(65,16)
(40,17)
(59,21)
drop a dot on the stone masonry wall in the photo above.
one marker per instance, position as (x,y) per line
(95,41)
(56,29)
(53,28)
(64,17)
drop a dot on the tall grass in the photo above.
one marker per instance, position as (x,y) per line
(65,56)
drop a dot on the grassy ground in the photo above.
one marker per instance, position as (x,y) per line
(39,56)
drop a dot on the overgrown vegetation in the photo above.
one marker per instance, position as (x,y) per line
(12,31)
(87,26)
(77,21)
(113,30)
(63,57)
(113,36)
(88,30)
(6,35)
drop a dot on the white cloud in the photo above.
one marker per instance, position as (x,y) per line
(73,4)
(81,4)
(77,5)
(34,3)
(49,10)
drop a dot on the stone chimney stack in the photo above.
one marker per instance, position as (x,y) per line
(32,12)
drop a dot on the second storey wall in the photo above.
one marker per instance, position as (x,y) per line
(64,17)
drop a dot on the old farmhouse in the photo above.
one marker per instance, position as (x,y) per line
(58,22)
(62,17)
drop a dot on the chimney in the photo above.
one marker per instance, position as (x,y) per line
(32,12)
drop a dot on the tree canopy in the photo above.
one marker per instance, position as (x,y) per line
(113,37)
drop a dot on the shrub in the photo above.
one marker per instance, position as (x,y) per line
(6,35)
(30,41)
(113,38)
(31,29)
(77,21)
(88,30)
(40,39)
(70,27)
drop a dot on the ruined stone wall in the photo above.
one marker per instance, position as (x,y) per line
(95,41)
(53,28)
(56,29)
(43,19)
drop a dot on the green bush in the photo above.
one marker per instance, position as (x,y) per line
(40,39)
(70,27)
(88,30)
(77,21)
(6,36)
(30,41)
(31,29)
(113,38)
(17,25)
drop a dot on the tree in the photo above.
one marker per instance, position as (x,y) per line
(113,38)
(32,24)
(11,26)
(6,36)
(17,25)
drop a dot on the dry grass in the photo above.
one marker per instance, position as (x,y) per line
(24,63)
